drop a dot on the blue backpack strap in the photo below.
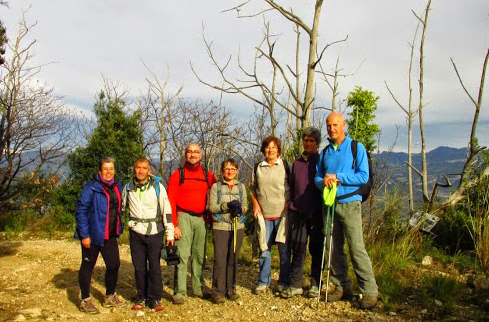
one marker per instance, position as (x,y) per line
(219,193)
(156,185)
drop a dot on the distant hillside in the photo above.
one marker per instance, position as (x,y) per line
(441,161)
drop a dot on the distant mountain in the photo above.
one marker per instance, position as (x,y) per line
(440,161)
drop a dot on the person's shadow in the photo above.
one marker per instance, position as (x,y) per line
(67,278)
(8,248)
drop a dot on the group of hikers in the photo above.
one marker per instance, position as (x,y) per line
(287,205)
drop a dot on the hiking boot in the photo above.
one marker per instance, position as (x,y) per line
(155,305)
(340,295)
(204,296)
(233,296)
(313,292)
(139,304)
(113,301)
(218,299)
(260,289)
(280,288)
(87,306)
(368,302)
(291,292)
(178,300)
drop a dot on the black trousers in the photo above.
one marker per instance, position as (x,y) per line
(145,254)
(300,228)
(110,254)
(224,273)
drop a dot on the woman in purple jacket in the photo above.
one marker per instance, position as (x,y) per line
(98,224)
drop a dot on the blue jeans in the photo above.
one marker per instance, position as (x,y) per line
(264,277)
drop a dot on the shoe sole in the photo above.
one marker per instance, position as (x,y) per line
(90,312)
(138,307)
(114,306)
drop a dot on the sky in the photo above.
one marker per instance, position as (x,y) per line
(88,40)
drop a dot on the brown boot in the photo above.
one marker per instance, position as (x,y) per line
(368,302)
(340,295)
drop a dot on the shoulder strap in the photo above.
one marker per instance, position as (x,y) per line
(219,191)
(255,168)
(206,174)
(321,156)
(287,168)
(354,144)
(157,186)
(182,174)
(241,188)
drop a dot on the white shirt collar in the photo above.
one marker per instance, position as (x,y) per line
(264,163)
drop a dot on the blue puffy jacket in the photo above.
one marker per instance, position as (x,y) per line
(92,213)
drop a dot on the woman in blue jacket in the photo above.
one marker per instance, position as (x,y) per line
(98,224)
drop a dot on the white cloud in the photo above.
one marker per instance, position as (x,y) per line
(90,38)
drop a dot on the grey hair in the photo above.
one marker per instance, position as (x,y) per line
(106,160)
(315,133)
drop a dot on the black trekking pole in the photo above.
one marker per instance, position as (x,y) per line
(330,231)
(328,221)
(324,246)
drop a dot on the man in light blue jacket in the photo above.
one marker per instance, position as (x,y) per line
(336,165)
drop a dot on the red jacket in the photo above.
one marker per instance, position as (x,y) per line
(191,195)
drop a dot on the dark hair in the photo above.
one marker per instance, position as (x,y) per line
(315,133)
(140,160)
(231,161)
(106,160)
(268,140)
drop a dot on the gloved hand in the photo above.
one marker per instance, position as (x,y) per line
(234,208)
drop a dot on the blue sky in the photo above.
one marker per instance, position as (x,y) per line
(88,39)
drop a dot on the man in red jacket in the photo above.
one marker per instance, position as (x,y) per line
(188,198)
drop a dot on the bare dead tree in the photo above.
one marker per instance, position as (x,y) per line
(474,147)
(410,115)
(157,106)
(424,166)
(290,99)
(35,126)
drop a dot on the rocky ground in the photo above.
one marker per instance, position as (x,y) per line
(39,283)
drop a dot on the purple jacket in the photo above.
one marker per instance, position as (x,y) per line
(304,196)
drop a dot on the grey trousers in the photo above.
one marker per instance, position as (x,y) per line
(348,225)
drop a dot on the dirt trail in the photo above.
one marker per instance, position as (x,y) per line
(39,283)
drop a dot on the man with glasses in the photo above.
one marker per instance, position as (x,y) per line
(187,191)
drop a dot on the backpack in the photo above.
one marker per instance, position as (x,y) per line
(182,174)
(219,193)
(156,185)
(286,166)
(365,189)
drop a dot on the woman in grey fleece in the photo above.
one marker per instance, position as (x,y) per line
(270,196)
(227,202)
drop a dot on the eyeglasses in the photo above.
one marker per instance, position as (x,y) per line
(230,169)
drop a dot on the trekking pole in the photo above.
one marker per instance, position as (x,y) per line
(235,262)
(329,196)
(330,230)
(325,223)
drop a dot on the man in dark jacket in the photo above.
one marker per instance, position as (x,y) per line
(304,220)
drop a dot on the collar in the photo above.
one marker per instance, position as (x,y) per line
(190,167)
(311,156)
(347,140)
(264,163)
